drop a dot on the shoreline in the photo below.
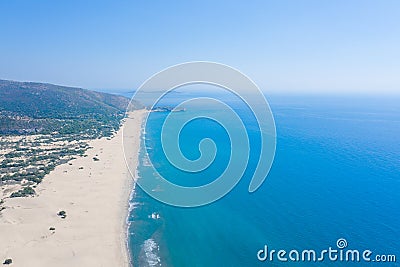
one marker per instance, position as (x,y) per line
(131,171)
(95,196)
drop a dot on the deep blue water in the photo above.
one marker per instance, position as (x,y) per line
(336,175)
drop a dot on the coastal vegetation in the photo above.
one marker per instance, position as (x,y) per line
(62,214)
(7,261)
(26,191)
(45,125)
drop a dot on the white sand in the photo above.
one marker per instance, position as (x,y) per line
(95,199)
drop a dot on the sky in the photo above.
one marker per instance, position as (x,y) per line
(284,46)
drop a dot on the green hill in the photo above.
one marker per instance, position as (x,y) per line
(27,107)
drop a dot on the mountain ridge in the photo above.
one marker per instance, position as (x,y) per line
(32,107)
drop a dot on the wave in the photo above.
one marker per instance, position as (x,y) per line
(151,251)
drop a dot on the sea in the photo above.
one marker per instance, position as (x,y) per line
(335,177)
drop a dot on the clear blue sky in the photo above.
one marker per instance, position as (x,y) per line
(287,46)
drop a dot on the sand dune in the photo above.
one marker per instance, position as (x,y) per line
(95,199)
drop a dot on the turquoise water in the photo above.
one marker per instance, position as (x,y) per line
(336,175)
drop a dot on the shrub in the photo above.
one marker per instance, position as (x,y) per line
(26,191)
(62,214)
(7,261)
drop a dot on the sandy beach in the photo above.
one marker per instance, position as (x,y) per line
(94,195)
